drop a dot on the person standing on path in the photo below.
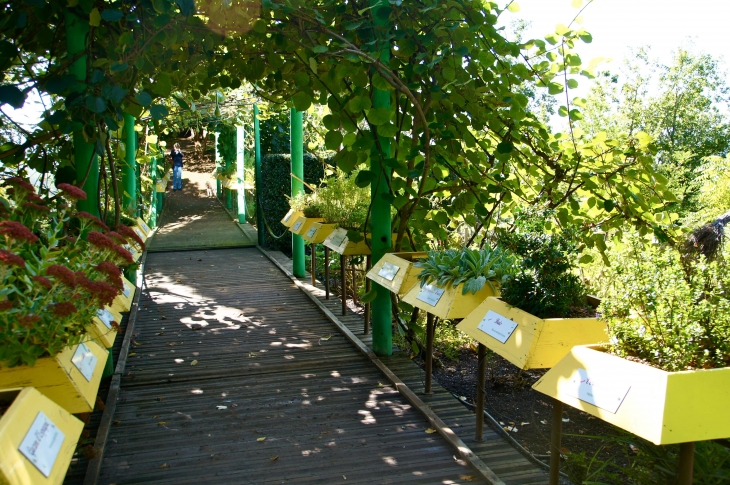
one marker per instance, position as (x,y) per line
(177,166)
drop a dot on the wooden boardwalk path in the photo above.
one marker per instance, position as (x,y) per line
(236,372)
(234,376)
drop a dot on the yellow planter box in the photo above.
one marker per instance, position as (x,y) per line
(133,249)
(101,329)
(446,303)
(37,439)
(161,185)
(525,340)
(142,224)
(338,241)
(70,379)
(291,217)
(318,232)
(662,407)
(302,225)
(395,271)
(142,235)
(123,301)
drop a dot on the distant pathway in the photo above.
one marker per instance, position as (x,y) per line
(192,219)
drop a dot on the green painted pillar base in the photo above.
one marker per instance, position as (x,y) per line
(159,200)
(297,256)
(229,199)
(109,366)
(218,189)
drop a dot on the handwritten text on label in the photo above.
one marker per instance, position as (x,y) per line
(42,444)
(604,395)
(497,326)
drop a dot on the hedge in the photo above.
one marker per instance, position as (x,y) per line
(275,189)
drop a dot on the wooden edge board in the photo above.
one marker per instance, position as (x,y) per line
(484,472)
(94,468)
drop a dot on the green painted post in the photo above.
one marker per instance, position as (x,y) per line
(297,168)
(382,326)
(228,191)
(257,157)
(129,167)
(84,157)
(218,185)
(240,173)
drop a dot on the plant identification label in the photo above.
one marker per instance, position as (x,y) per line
(106,317)
(430,294)
(85,361)
(338,237)
(128,289)
(311,232)
(388,271)
(297,225)
(604,395)
(139,232)
(497,326)
(42,443)
(288,216)
(144,225)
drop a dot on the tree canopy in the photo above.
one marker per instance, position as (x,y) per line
(465,145)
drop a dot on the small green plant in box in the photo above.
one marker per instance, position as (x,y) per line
(340,201)
(669,313)
(474,268)
(545,286)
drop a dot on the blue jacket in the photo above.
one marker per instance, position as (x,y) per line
(176,158)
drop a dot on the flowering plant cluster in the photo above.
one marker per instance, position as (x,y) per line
(57,268)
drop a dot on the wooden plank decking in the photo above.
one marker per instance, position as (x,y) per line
(228,351)
(501,458)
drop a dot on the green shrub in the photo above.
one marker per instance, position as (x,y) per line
(342,202)
(672,316)
(275,190)
(545,285)
(474,268)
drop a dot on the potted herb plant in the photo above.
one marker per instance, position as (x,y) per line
(455,281)
(306,205)
(37,438)
(345,205)
(54,279)
(664,375)
(543,309)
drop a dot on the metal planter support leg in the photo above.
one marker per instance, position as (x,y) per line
(343,277)
(313,268)
(430,331)
(481,391)
(368,265)
(556,437)
(686,463)
(326,273)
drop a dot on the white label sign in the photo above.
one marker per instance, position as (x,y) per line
(430,294)
(605,395)
(42,444)
(288,216)
(144,226)
(85,361)
(106,317)
(139,233)
(388,271)
(312,231)
(497,326)
(128,289)
(297,225)
(338,237)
